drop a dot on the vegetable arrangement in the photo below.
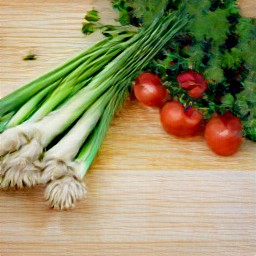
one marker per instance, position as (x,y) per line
(208,69)
(52,128)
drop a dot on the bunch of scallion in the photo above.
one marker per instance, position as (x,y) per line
(53,127)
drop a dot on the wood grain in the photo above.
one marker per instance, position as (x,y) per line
(138,212)
(149,193)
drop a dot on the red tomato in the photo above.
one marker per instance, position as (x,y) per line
(223,134)
(149,90)
(178,121)
(193,82)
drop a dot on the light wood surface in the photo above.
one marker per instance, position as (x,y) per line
(149,194)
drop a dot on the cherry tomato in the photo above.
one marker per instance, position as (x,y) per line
(149,90)
(178,121)
(193,82)
(223,134)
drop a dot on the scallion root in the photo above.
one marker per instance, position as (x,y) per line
(63,193)
(21,168)
(64,183)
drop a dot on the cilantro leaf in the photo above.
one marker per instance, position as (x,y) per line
(92,16)
(139,12)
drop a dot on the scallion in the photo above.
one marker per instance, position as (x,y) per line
(79,101)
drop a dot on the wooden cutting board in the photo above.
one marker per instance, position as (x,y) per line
(148,193)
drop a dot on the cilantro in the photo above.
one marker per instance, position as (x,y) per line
(246,108)
(92,16)
(228,101)
(124,9)
(208,26)
(139,12)
(231,58)
(214,73)
(147,11)
(90,23)
(88,27)
(249,128)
